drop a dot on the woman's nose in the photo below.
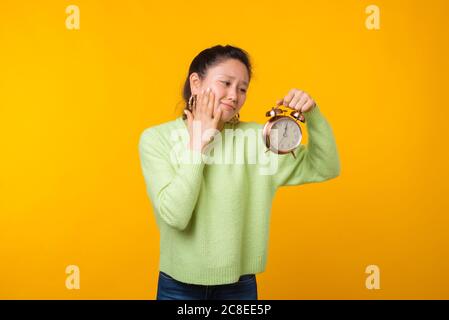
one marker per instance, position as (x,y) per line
(232,95)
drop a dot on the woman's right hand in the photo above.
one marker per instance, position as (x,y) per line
(206,117)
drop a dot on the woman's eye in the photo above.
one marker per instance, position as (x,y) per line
(227,83)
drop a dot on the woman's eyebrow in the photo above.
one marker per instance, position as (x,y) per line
(244,82)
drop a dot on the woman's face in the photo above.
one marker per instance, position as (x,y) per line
(229,81)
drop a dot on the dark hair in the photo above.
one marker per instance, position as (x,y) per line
(210,57)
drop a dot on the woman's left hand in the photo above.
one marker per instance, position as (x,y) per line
(298,100)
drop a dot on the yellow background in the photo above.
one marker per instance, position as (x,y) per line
(74,103)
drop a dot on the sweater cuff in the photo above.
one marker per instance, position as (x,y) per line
(312,114)
(192,157)
(192,164)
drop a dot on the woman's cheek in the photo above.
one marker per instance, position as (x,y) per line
(242,101)
(218,96)
(218,93)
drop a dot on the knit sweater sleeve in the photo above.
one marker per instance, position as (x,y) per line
(315,162)
(172,187)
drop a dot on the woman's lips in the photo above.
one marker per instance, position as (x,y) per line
(228,106)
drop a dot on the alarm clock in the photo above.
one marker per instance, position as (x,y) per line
(282,134)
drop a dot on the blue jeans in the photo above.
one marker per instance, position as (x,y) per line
(169,288)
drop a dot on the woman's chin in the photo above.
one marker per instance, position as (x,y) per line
(226,115)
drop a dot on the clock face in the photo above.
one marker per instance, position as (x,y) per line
(285,135)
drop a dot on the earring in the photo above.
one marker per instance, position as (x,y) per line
(235,119)
(190,105)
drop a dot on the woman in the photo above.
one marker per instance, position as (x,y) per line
(214,219)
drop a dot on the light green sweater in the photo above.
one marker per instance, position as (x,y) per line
(214,217)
